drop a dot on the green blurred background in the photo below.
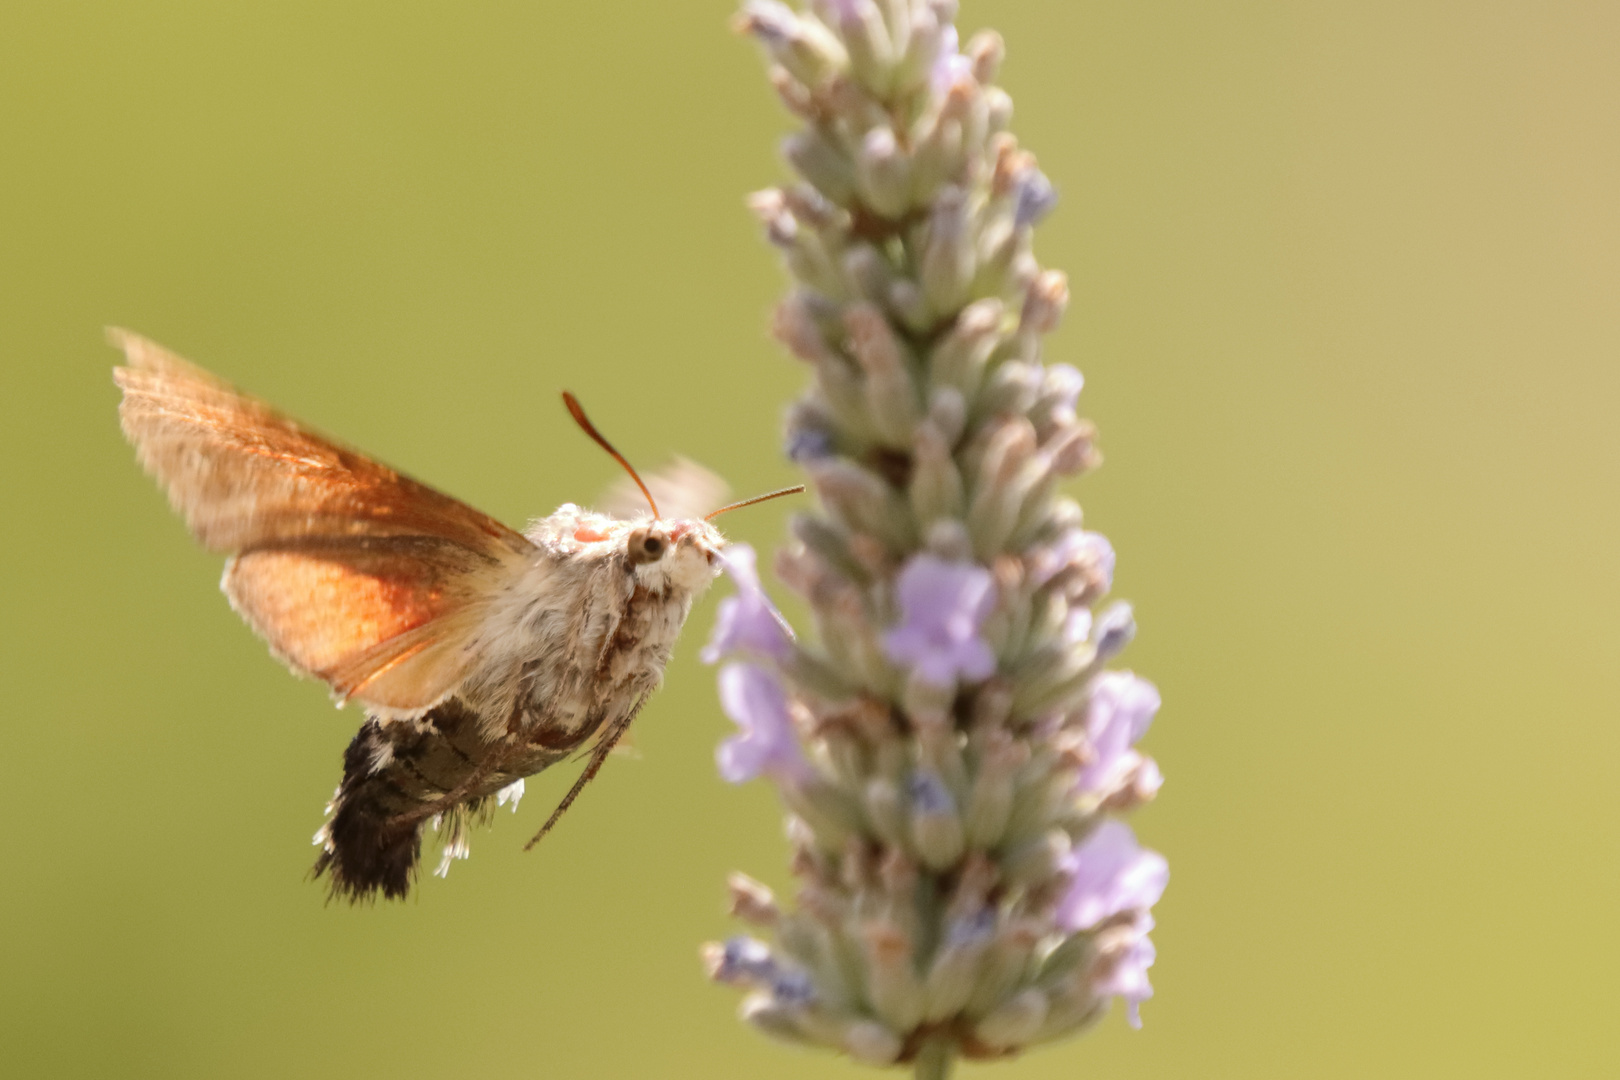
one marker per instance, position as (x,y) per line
(1347,281)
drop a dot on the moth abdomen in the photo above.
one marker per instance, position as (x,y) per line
(401,775)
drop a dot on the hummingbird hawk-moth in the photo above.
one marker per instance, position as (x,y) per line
(480,655)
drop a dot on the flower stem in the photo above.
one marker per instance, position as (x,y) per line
(934,1060)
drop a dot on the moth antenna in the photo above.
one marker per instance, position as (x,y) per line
(711,515)
(598,756)
(584,422)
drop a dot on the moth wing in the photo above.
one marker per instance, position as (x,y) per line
(243,474)
(351,571)
(387,623)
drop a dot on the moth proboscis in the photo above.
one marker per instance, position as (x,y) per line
(480,655)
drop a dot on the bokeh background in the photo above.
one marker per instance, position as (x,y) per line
(1347,281)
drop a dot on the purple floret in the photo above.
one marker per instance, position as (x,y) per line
(949,65)
(746,622)
(1111,874)
(1128,978)
(1118,714)
(942,606)
(767,743)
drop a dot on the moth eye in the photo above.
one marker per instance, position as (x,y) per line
(645,546)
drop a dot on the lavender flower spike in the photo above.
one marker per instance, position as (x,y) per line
(954,755)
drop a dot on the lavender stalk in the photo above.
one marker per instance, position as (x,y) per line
(953,755)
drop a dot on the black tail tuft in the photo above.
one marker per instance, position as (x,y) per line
(370,846)
(367,854)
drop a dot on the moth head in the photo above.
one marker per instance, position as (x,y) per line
(663,553)
(683,555)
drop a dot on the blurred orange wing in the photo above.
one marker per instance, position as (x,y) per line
(352,572)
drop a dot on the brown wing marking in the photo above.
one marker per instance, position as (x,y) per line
(351,571)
